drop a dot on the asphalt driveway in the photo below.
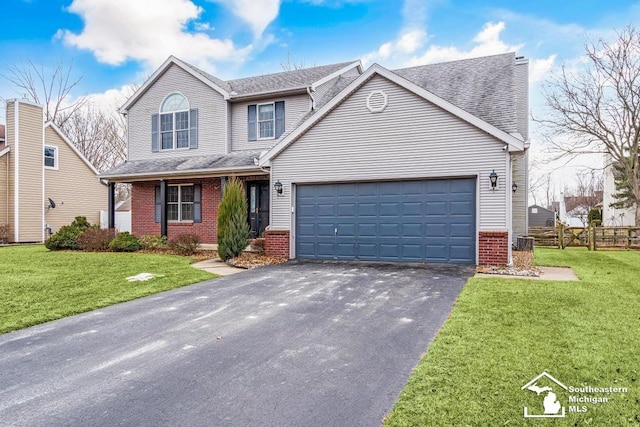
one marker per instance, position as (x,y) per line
(313,344)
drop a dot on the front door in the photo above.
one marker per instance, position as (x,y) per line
(258,198)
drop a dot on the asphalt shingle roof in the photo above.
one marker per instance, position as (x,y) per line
(184,165)
(274,82)
(484,87)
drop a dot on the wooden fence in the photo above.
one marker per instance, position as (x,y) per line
(592,237)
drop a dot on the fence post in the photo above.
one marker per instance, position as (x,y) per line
(627,243)
(561,236)
(594,237)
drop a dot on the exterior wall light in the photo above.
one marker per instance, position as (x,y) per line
(278,187)
(493,177)
(514,187)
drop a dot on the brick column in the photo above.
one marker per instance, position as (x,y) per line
(493,247)
(277,243)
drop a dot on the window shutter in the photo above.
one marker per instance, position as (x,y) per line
(158,204)
(251,122)
(193,131)
(279,118)
(155,146)
(197,203)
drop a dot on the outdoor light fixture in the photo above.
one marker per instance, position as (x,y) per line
(278,187)
(514,187)
(493,177)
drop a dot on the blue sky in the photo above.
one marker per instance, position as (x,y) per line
(114,43)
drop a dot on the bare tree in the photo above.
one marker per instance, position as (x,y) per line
(291,65)
(49,87)
(98,136)
(587,193)
(596,109)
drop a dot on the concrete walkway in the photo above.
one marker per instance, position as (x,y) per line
(546,273)
(216,266)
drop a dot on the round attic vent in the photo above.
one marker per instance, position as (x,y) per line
(377,101)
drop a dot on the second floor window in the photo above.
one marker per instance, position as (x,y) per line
(176,126)
(174,122)
(265,121)
(50,157)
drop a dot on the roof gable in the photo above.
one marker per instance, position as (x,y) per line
(514,143)
(172,60)
(64,138)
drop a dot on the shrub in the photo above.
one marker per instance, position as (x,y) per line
(595,215)
(152,241)
(67,236)
(96,239)
(125,242)
(4,233)
(184,244)
(233,230)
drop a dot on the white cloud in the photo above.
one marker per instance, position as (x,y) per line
(409,49)
(119,30)
(539,68)
(486,42)
(257,13)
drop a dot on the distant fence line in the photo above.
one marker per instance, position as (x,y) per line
(592,237)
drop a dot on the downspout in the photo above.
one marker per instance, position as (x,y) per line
(509,194)
(313,101)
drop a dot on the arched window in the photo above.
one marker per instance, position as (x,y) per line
(175,122)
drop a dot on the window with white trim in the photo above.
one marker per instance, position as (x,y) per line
(50,157)
(180,203)
(266,121)
(174,122)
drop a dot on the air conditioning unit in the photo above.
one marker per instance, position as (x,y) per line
(524,243)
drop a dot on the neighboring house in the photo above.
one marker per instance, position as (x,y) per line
(541,217)
(338,162)
(616,217)
(45,182)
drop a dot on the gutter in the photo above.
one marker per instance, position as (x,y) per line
(245,170)
(300,90)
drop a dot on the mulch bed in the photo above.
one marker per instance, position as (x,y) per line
(522,266)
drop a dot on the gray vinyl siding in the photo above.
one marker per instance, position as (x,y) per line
(211,116)
(294,108)
(411,139)
(522,97)
(519,198)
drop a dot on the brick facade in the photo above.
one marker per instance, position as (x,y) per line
(143,208)
(277,243)
(493,248)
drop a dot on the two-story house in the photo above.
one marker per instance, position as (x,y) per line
(45,182)
(423,164)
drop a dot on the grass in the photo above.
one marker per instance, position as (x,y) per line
(504,332)
(37,285)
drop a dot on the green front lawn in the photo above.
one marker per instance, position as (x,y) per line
(504,332)
(37,285)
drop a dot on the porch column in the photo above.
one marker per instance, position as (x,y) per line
(164,187)
(111,205)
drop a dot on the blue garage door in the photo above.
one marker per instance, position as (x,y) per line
(412,221)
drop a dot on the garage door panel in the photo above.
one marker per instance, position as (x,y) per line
(429,220)
(436,208)
(437,230)
(461,230)
(326,230)
(412,230)
(367,209)
(412,209)
(460,208)
(389,230)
